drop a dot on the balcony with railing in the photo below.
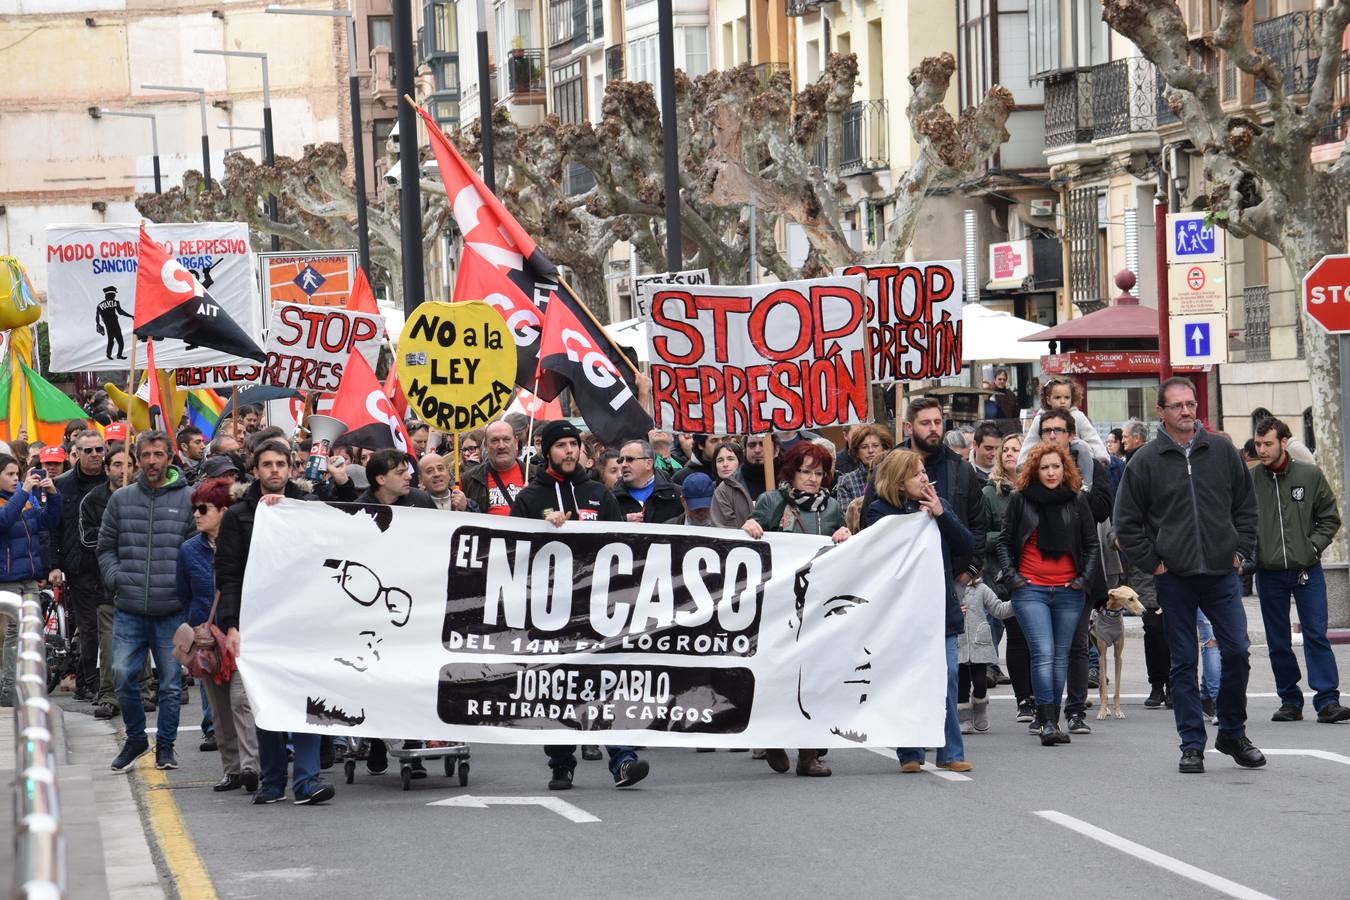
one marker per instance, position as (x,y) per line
(801,7)
(864,147)
(1294,43)
(1113,100)
(523,76)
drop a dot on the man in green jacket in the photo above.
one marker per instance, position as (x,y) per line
(1296,520)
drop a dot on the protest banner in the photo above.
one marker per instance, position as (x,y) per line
(91,291)
(913,318)
(521,633)
(307,347)
(747,360)
(319,278)
(644,284)
(187,377)
(456,364)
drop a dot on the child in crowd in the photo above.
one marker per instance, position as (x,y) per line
(975,652)
(1064,395)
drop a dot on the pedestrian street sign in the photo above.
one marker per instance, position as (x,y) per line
(1196,288)
(1199,340)
(1190,240)
(309,280)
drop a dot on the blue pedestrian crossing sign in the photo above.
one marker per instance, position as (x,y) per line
(309,280)
(1191,240)
(1199,340)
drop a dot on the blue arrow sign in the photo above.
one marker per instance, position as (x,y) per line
(1197,340)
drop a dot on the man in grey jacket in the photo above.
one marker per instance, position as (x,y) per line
(143,528)
(1186,512)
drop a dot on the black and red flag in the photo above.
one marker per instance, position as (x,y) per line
(362,405)
(503,265)
(171,303)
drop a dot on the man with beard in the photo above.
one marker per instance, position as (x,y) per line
(391,481)
(191,452)
(143,529)
(271,465)
(559,493)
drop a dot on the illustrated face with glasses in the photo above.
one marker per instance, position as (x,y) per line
(385,605)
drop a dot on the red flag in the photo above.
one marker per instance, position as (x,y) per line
(362,298)
(360,402)
(512,274)
(156,401)
(394,391)
(171,303)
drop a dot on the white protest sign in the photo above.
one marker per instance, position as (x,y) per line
(307,346)
(91,290)
(750,359)
(644,284)
(683,637)
(913,318)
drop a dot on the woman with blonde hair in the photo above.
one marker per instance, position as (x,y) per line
(997,491)
(1046,550)
(903,488)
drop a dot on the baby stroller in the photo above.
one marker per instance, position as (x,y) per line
(455,757)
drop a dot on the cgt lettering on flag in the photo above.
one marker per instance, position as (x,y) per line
(746,360)
(456,364)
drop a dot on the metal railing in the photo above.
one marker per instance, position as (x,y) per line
(614,69)
(1124,96)
(864,138)
(801,7)
(39,842)
(525,75)
(1294,43)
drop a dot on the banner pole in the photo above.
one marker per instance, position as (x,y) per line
(131,394)
(768,461)
(529,430)
(234,404)
(454,436)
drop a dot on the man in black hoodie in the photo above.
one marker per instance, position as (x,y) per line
(390,475)
(559,493)
(76,567)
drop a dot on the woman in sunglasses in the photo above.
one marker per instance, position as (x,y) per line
(234,730)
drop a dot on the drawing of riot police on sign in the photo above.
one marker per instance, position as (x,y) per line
(105,321)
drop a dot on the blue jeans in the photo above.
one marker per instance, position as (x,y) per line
(563,756)
(1210,665)
(1049,617)
(272,760)
(1219,597)
(954,750)
(1274,588)
(208,721)
(134,635)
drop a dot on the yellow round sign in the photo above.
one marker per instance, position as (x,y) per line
(457,364)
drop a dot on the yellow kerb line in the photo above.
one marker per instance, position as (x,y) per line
(180,854)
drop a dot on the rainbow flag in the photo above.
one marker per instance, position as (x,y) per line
(203,409)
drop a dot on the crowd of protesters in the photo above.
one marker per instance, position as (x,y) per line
(1035,526)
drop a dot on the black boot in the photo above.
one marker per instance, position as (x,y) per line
(1045,722)
(1061,736)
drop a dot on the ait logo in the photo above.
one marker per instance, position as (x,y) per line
(1297,493)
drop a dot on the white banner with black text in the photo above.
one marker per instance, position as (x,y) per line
(411,623)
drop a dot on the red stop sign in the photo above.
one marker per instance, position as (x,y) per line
(1326,293)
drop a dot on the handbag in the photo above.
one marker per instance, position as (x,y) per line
(196,646)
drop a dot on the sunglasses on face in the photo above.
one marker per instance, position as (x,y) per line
(202,509)
(88,450)
(630,459)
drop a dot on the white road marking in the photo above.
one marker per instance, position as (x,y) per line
(554,804)
(1317,754)
(1092,695)
(931,770)
(1153,857)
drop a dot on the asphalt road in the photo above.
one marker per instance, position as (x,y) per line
(721,824)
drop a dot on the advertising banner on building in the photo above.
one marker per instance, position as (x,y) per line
(446,626)
(750,359)
(91,291)
(913,319)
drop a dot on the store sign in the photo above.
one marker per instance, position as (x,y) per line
(1121,363)
(1010,261)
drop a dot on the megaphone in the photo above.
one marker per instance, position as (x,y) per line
(323,433)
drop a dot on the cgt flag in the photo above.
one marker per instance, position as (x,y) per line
(503,266)
(171,303)
(361,403)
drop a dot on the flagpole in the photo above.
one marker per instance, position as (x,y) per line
(590,315)
(529,430)
(455,437)
(131,395)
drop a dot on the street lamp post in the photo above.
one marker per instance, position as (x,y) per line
(206,136)
(409,189)
(358,139)
(269,150)
(670,137)
(485,102)
(154,138)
